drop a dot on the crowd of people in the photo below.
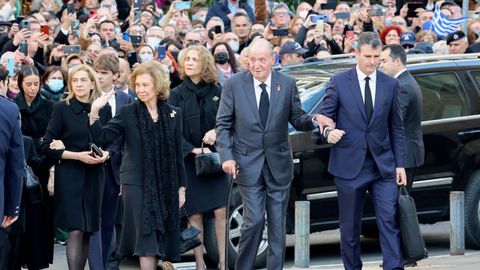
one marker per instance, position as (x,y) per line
(118,97)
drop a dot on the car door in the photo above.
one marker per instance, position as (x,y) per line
(447,110)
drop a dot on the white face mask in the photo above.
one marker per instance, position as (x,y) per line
(153,42)
(146,57)
(303,14)
(234,45)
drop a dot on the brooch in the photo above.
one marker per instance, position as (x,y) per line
(215,98)
(278,87)
(172,114)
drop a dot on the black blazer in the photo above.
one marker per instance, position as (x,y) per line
(35,117)
(126,123)
(411,106)
(115,149)
(69,123)
(193,131)
(11,158)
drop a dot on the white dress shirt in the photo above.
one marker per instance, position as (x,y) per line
(113,104)
(372,83)
(399,73)
(258,89)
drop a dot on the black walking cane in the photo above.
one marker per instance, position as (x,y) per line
(227,219)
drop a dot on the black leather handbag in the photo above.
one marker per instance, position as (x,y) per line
(208,163)
(411,236)
(33,186)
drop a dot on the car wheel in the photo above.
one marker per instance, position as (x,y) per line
(472,211)
(235,224)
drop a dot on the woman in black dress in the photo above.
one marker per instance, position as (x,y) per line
(152,173)
(79,173)
(199,97)
(37,241)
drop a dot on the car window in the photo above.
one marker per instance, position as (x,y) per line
(312,95)
(442,96)
(476,77)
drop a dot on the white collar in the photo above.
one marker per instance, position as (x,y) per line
(268,82)
(399,73)
(362,76)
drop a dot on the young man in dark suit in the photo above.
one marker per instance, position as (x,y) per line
(107,68)
(11,168)
(393,61)
(368,152)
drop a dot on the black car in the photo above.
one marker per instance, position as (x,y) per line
(451,128)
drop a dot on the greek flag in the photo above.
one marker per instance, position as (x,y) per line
(442,25)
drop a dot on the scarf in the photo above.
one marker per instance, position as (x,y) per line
(202,105)
(160,196)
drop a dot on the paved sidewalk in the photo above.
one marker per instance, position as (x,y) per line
(469,261)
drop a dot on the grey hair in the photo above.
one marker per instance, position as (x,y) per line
(218,19)
(369,38)
(281,5)
(261,41)
(153,28)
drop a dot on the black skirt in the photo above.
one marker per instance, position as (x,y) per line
(204,193)
(133,241)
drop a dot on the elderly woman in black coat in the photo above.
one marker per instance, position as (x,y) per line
(199,96)
(152,173)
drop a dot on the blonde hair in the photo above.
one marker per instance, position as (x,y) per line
(95,93)
(209,73)
(67,60)
(161,79)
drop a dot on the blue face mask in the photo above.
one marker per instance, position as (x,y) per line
(55,85)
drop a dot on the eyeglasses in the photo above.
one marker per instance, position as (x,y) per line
(280,14)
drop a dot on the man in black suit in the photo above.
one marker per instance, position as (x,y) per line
(11,168)
(393,62)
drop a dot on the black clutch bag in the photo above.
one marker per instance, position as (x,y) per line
(33,186)
(189,239)
(208,163)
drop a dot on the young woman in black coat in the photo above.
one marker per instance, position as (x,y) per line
(37,240)
(199,96)
(79,173)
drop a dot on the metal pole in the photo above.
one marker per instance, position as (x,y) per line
(227,223)
(302,234)
(465,14)
(457,223)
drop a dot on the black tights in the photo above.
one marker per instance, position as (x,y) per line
(77,249)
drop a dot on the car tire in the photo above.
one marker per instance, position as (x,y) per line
(472,211)
(235,221)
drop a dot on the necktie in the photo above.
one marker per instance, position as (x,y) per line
(368,100)
(264,105)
